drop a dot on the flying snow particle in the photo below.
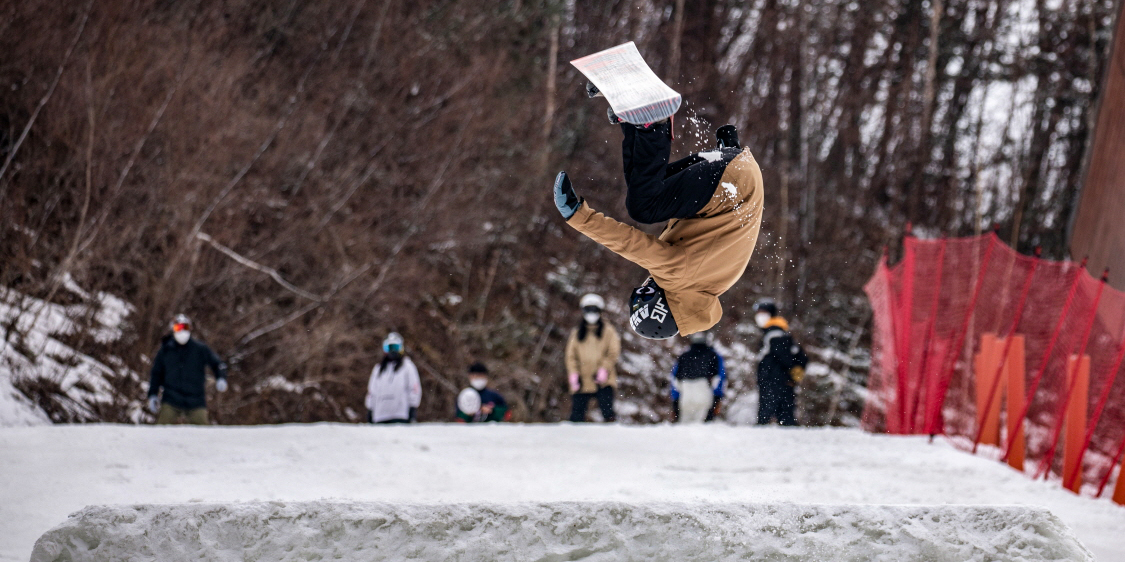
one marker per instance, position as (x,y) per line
(711,155)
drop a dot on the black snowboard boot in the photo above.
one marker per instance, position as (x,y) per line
(727,137)
(613,118)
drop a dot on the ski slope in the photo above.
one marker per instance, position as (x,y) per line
(832,474)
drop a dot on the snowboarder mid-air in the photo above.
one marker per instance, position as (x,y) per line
(712,201)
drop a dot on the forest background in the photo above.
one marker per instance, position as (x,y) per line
(302,177)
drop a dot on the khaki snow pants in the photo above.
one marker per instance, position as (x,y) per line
(170,414)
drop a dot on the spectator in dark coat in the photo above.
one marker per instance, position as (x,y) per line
(780,366)
(178,370)
(493,407)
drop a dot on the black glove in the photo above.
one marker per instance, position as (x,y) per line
(565,199)
(413,415)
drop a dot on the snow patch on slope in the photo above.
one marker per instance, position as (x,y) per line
(32,346)
(320,530)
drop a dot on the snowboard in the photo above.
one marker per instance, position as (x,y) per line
(634,92)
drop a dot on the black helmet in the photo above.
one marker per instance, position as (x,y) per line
(766,305)
(649,315)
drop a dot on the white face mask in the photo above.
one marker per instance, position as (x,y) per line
(478,383)
(761,319)
(182,336)
(592,317)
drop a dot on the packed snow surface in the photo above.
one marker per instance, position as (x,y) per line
(281,532)
(49,472)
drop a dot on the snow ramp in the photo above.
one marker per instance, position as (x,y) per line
(602,531)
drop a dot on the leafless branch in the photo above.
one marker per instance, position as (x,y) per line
(258,267)
(277,324)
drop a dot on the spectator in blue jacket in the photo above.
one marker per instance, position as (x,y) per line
(698,379)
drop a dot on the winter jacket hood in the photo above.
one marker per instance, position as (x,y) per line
(697,259)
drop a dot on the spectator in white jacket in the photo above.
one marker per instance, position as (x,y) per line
(394,391)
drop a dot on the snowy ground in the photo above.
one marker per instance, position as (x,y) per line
(52,471)
(558,531)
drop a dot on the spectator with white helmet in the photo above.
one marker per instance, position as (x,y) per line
(394,390)
(591,361)
(179,371)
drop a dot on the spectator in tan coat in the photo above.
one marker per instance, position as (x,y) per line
(591,361)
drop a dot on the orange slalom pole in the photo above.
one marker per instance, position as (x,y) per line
(1119,490)
(988,416)
(1111,376)
(1061,415)
(1079,369)
(1008,341)
(1016,370)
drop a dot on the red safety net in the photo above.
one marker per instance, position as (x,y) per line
(931,312)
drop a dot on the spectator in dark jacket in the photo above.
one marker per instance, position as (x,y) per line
(493,407)
(178,370)
(697,382)
(777,376)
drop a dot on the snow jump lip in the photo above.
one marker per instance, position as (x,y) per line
(336,530)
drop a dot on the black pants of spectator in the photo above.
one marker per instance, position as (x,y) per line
(776,400)
(659,190)
(581,401)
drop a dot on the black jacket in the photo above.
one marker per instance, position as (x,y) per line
(775,357)
(659,190)
(178,369)
(699,362)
